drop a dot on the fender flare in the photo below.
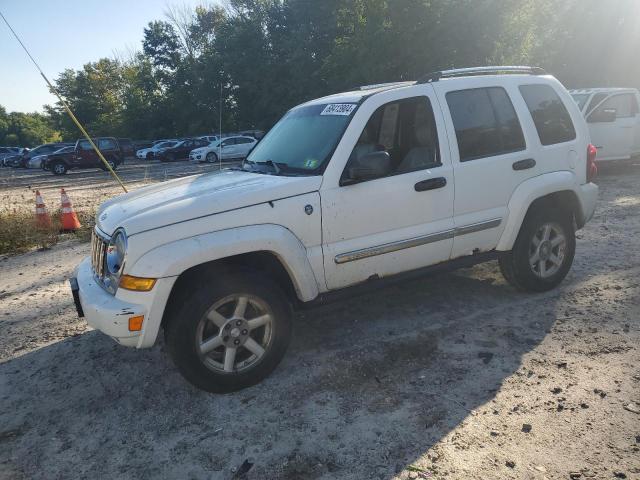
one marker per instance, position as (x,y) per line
(173,258)
(529,191)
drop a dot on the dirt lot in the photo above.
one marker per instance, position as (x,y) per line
(456,376)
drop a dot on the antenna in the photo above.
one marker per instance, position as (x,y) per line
(66,107)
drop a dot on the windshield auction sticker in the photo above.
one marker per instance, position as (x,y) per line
(338,109)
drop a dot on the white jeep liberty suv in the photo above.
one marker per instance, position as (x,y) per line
(460,167)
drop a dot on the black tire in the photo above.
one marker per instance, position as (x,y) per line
(149,156)
(182,334)
(112,163)
(171,157)
(212,157)
(516,266)
(59,168)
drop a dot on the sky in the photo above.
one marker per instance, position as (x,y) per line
(64,34)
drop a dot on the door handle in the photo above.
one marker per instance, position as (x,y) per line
(431,184)
(524,164)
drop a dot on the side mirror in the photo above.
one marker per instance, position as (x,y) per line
(368,167)
(608,115)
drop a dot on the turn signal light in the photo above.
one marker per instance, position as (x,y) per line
(135,323)
(137,284)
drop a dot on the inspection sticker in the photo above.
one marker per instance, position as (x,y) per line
(338,109)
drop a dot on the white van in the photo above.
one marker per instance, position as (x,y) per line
(613,117)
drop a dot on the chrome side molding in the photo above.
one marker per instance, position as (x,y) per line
(416,241)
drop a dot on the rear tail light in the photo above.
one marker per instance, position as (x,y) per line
(592,168)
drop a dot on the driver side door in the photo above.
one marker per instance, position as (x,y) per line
(614,139)
(404,219)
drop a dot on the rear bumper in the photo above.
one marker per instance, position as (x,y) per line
(588,198)
(110,314)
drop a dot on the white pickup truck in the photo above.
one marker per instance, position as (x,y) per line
(343,193)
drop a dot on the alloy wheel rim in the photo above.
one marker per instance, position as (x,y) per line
(59,168)
(234,334)
(547,250)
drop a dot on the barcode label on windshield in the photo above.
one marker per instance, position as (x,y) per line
(338,109)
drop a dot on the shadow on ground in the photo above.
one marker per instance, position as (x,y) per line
(367,387)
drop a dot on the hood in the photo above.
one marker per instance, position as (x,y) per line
(192,197)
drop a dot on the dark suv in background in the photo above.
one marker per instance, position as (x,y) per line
(84,156)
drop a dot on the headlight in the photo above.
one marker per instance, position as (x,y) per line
(116,252)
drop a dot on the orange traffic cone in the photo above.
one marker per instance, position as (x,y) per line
(43,219)
(70,220)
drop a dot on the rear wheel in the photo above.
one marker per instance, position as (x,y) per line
(230,333)
(59,168)
(543,252)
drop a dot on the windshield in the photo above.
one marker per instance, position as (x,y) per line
(304,139)
(580,99)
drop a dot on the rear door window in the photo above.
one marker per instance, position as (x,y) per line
(486,123)
(549,114)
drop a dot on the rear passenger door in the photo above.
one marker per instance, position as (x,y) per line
(490,157)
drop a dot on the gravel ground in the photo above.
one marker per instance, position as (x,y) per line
(456,376)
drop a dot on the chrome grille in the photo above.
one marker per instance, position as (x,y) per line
(98,251)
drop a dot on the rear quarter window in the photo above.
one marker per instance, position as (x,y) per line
(549,114)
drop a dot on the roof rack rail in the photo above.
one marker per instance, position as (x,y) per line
(382,85)
(476,71)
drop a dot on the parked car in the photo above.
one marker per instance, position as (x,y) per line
(613,116)
(208,138)
(44,158)
(257,134)
(84,156)
(8,152)
(36,162)
(348,190)
(227,149)
(21,161)
(141,144)
(179,151)
(128,149)
(149,153)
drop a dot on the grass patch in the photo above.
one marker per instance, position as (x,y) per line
(19,231)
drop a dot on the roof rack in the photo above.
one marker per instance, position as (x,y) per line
(476,71)
(383,85)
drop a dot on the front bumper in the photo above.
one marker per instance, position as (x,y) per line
(110,314)
(102,310)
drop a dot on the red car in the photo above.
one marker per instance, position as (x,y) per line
(84,156)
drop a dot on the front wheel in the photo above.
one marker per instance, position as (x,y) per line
(212,157)
(230,333)
(543,252)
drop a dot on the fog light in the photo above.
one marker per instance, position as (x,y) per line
(135,323)
(138,284)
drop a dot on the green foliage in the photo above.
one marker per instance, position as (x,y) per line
(26,129)
(258,58)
